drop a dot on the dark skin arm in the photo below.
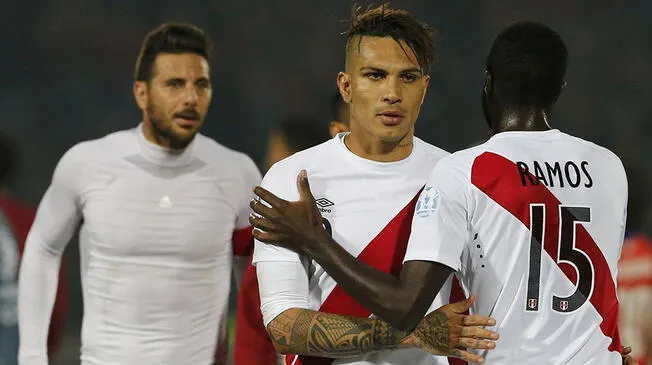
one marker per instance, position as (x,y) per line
(401,301)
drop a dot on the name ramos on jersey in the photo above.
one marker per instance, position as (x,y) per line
(561,174)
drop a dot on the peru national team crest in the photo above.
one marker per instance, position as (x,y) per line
(428,202)
(563,305)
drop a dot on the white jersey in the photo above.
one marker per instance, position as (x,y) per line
(533,222)
(155,245)
(367,206)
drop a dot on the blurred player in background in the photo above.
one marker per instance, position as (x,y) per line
(252,344)
(635,273)
(292,135)
(161,210)
(15,220)
(532,221)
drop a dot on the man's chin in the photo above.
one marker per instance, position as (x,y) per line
(181,137)
(393,135)
(186,129)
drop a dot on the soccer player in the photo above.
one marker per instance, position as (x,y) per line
(635,273)
(367,182)
(15,220)
(532,221)
(161,208)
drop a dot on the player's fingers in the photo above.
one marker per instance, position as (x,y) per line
(474,343)
(479,332)
(478,321)
(304,186)
(465,355)
(262,224)
(270,198)
(261,209)
(626,350)
(267,237)
(463,305)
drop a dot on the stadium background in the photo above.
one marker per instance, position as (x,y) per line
(68,64)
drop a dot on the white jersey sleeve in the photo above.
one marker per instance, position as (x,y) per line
(251,178)
(281,181)
(242,240)
(281,287)
(57,219)
(440,217)
(282,274)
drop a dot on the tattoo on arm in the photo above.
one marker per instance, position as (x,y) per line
(434,330)
(306,332)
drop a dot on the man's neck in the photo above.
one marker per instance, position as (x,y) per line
(150,133)
(531,120)
(377,150)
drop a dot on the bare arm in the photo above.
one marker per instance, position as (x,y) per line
(443,332)
(297,225)
(306,332)
(296,329)
(57,219)
(401,301)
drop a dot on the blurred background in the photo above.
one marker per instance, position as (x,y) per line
(68,71)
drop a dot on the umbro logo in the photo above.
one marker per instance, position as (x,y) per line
(323,204)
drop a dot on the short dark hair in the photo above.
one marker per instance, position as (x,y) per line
(301,132)
(7,158)
(527,63)
(339,108)
(170,38)
(383,21)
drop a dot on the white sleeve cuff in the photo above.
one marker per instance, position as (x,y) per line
(283,285)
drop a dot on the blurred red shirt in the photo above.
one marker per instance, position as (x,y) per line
(635,294)
(20,217)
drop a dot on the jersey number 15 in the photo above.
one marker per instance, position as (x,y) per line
(569,217)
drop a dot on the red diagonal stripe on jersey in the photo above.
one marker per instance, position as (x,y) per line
(495,176)
(243,241)
(385,252)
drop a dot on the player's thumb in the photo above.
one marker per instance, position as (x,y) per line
(304,186)
(465,305)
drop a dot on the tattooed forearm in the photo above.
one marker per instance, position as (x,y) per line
(306,332)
